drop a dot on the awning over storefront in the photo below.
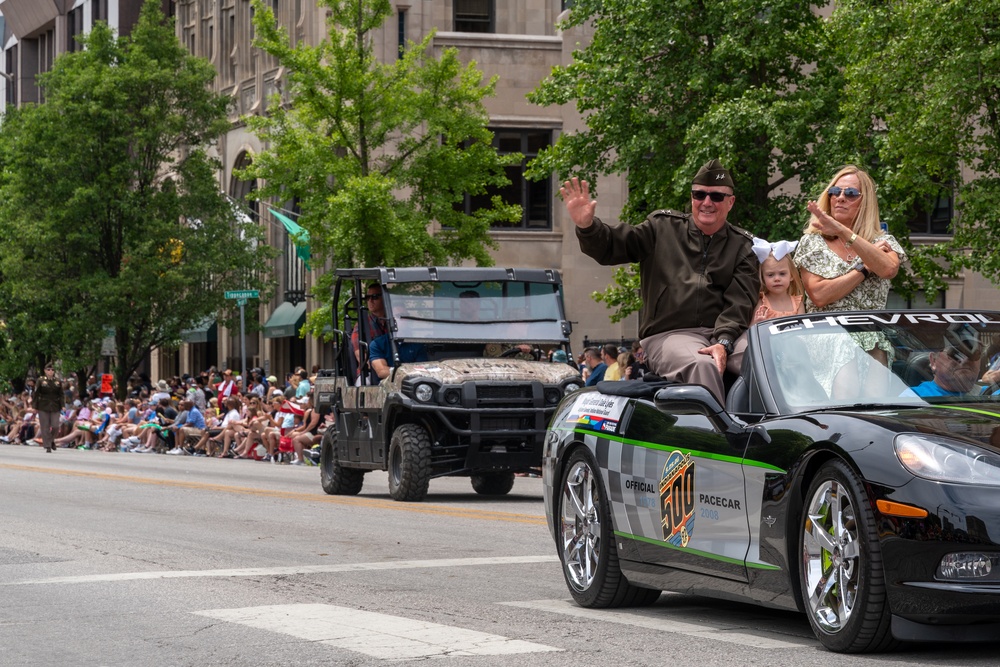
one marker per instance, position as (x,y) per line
(205,331)
(285,321)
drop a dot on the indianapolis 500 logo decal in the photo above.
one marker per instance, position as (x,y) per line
(677,499)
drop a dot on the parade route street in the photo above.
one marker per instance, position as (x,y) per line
(135,560)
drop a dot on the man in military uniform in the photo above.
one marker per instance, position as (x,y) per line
(699,276)
(48,400)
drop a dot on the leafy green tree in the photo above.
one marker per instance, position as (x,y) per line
(665,86)
(922,106)
(110,210)
(377,154)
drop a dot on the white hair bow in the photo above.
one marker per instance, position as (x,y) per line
(764,249)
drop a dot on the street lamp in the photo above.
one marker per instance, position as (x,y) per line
(8,76)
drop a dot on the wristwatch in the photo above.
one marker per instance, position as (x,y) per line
(860,267)
(727,345)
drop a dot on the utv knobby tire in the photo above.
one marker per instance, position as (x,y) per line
(493,483)
(409,463)
(337,480)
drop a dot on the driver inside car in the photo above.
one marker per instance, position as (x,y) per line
(955,368)
(380,354)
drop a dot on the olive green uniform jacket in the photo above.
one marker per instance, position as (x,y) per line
(48,395)
(688,279)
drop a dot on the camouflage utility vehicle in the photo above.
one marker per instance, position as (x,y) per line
(466,390)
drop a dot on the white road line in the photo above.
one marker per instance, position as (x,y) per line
(291,570)
(658,620)
(377,635)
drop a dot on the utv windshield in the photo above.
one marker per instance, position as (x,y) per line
(508,311)
(891,358)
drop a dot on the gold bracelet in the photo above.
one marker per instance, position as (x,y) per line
(854,237)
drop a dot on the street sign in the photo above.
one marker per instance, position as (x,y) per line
(241,296)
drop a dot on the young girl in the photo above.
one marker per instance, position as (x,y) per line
(780,285)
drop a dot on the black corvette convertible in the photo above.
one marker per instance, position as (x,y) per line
(853,474)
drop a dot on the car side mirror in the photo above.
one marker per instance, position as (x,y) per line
(695,399)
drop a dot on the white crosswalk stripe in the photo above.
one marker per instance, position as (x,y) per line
(377,635)
(655,619)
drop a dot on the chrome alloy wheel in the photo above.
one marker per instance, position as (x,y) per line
(581,525)
(831,556)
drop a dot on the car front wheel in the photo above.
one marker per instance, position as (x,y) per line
(586,541)
(409,463)
(841,577)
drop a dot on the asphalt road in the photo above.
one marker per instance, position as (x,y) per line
(131,560)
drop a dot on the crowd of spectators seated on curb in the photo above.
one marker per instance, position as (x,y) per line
(211,414)
(611,362)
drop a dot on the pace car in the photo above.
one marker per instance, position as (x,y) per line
(853,474)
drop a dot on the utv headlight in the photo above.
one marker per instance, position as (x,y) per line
(571,387)
(945,460)
(552,395)
(423,392)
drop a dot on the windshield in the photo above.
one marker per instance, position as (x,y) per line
(882,358)
(507,311)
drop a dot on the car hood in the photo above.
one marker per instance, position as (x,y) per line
(968,421)
(457,371)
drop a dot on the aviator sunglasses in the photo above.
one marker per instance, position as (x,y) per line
(717,197)
(850,193)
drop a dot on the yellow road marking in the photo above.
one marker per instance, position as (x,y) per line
(354,501)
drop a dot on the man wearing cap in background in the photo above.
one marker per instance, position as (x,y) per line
(698,274)
(955,368)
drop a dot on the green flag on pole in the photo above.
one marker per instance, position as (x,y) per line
(300,237)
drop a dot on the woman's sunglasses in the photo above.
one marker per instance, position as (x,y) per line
(850,193)
(717,197)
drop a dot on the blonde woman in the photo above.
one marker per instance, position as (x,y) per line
(844,258)
(847,262)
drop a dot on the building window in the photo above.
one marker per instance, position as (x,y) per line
(534,197)
(98,11)
(74,27)
(474,16)
(208,39)
(934,216)
(11,69)
(916,302)
(401,30)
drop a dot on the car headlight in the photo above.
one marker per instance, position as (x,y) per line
(944,460)
(423,392)
(571,387)
(552,395)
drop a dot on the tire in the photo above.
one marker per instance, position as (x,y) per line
(409,463)
(493,483)
(841,578)
(586,541)
(337,480)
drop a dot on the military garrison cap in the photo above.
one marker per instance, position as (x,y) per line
(713,173)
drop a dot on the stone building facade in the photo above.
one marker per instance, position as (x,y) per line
(520,44)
